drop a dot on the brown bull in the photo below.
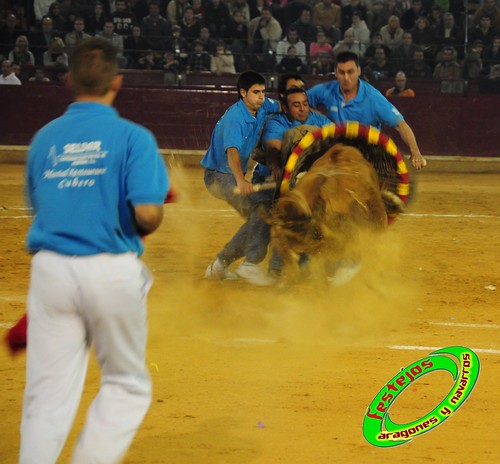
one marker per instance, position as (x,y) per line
(336,198)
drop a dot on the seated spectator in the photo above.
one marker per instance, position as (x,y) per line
(172,67)
(495,72)
(473,63)
(244,7)
(236,36)
(276,7)
(381,18)
(425,37)
(435,17)
(190,28)
(223,60)
(402,55)
(264,33)
(199,12)
(59,74)
(73,37)
(361,31)
(392,33)
(305,28)
(21,53)
(9,33)
(491,82)
(400,89)
(70,11)
(449,72)
(149,60)
(178,45)
(321,45)
(490,9)
(95,22)
(209,44)
(18,71)
(491,55)
(449,33)
(175,10)
(123,18)
(289,13)
(292,38)
(290,63)
(348,9)
(40,40)
(55,55)
(217,17)
(155,28)
(199,59)
(484,31)
(323,65)
(8,76)
(134,47)
(379,68)
(114,39)
(418,68)
(327,15)
(59,21)
(376,42)
(410,16)
(39,76)
(349,44)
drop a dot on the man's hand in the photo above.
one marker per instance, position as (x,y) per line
(417,160)
(245,188)
(409,138)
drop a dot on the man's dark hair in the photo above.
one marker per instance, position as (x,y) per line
(94,64)
(292,91)
(284,78)
(247,79)
(345,57)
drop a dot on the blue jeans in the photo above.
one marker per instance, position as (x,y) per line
(252,237)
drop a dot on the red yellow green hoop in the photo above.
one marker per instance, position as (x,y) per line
(351,130)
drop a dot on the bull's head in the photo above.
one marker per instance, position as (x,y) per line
(294,225)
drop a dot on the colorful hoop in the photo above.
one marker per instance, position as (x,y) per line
(351,130)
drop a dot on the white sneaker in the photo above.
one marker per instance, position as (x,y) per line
(254,274)
(219,274)
(344,273)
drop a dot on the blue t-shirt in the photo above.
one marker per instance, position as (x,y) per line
(369,107)
(275,129)
(277,125)
(237,128)
(85,172)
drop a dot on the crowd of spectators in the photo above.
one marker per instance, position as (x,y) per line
(422,38)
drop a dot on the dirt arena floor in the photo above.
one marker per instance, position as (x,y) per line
(284,375)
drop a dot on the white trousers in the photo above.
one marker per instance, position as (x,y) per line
(72,303)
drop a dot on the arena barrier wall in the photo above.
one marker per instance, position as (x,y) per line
(182,119)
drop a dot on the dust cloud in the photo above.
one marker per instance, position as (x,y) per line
(377,301)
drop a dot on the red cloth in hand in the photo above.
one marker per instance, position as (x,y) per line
(17,336)
(171,196)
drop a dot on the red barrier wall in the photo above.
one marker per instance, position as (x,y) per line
(183,118)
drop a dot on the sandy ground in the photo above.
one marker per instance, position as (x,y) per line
(284,375)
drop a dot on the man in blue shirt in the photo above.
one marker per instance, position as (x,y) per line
(96,183)
(296,112)
(351,99)
(226,161)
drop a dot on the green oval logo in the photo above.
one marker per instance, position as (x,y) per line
(380,430)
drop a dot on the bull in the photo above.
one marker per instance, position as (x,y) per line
(338,197)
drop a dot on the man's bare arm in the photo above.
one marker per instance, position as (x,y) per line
(409,138)
(234,161)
